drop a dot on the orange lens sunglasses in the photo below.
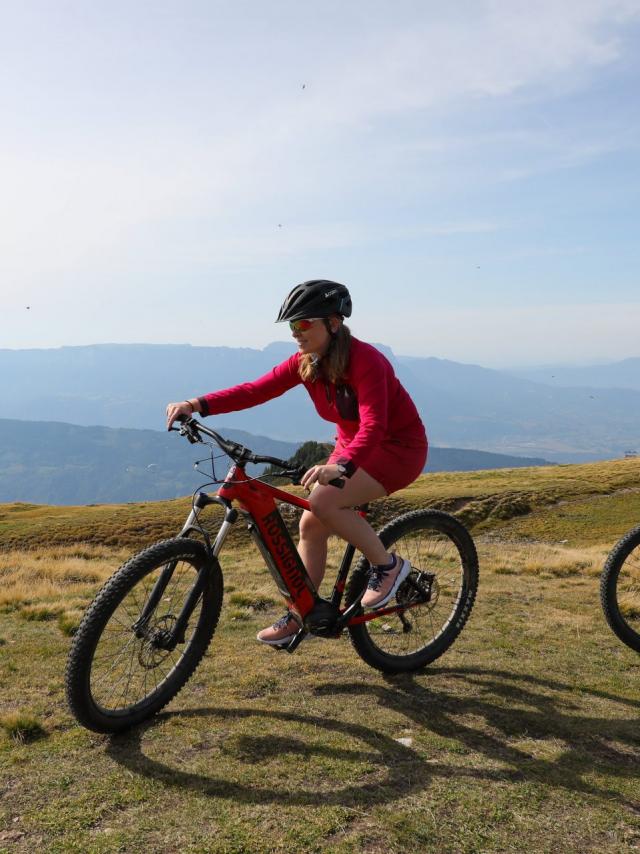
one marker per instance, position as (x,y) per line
(302,325)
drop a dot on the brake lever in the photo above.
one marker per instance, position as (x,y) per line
(294,475)
(186,430)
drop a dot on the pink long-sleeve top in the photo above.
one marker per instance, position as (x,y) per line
(369,406)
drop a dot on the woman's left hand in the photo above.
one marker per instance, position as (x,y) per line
(320,474)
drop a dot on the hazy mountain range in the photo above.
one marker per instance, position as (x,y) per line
(52,463)
(625,374)
(462,405)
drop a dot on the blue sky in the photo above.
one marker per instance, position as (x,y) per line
(470,170)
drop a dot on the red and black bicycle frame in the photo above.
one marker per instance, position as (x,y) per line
(257,501)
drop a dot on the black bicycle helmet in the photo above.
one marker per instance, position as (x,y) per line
(316,298)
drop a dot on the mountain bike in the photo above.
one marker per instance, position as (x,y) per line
(150,625)
(620,589)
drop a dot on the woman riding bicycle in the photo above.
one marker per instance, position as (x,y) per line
(381,443)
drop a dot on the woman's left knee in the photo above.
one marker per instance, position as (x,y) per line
(311,526)
(322,504)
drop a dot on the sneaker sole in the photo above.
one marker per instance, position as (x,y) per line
(286,641)
(280,642)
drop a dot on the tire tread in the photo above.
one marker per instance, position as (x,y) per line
(437,520)
(608,581)
(104,605)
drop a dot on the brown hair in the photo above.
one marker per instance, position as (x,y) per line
(333,365)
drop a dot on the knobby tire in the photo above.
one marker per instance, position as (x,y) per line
(112,613)
(435,543)
(620,589)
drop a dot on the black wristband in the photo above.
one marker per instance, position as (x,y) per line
(347,466)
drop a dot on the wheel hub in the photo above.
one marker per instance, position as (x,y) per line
(155,646)
(418,588)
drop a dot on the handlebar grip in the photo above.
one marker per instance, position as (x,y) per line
(338,482)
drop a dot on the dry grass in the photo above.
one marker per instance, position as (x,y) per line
(629,605)
(528,558)
(53,575)
(58,582)
(485,500)
(21,727)
(523,737)
(69,621)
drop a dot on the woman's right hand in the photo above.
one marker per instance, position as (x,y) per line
(184,407)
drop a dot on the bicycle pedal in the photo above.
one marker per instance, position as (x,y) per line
(295,642)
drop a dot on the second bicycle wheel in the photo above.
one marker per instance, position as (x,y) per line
(123,669)
(438,594)
(620,589)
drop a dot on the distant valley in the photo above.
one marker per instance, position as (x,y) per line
(57,463)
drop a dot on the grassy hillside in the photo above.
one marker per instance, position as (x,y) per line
(484,500)
(523,736)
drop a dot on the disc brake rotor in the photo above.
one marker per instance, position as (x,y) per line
(153,649)
(419,588)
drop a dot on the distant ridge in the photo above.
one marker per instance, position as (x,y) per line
(48,462)
(462,405)
(466,459)
(624,374)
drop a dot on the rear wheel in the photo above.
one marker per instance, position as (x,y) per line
(122,670)
(438,594)
(620,589)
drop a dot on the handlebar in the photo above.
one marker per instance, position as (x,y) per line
(191,428)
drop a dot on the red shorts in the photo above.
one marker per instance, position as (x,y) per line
(395,463)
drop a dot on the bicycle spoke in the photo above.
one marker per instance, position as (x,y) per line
(122,669)
(121,679)
(628,591)
(126,669)
(117,660)
(435,553)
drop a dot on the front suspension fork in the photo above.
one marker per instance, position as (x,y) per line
(176,635)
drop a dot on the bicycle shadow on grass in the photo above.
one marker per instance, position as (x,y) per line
(495,714)
(518,711)
(369,747)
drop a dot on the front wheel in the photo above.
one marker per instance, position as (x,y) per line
(620,589)
(438,594)
(129,656)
